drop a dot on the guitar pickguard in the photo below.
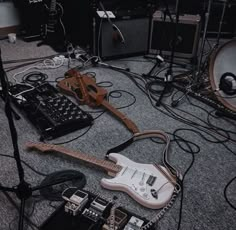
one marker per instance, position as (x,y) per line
(143,182)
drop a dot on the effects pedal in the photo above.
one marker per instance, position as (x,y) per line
(96,209)
(134,224)
(84,210)
(52,113)
(119,221)
(75,200)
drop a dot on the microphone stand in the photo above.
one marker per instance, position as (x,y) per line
(94,9)
(169,74)
(207,17)
(16,115)
(23,190)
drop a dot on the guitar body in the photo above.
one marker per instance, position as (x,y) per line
(150,185)
(54,33)
(83,87)
(143,182)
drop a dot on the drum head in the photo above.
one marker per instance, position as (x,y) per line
(222,63)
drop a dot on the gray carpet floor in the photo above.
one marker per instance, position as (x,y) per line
(204,206)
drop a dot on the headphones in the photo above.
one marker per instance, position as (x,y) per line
(228,83)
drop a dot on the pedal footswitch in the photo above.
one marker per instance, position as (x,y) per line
(134,224)
(96,209)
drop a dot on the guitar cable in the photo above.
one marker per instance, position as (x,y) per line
(53,193)
(117,35)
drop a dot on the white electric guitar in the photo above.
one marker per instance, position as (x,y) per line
(150,185)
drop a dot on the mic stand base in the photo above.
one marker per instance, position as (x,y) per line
(103,64)
(24,191)
(167,83)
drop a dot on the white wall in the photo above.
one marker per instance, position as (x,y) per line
(8,15)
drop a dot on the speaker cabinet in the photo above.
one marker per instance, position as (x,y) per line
(33,17)
(108,42)
(162,35)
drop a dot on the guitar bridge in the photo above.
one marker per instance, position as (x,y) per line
(151,180)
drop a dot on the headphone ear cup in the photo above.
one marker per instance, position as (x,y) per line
(227,82)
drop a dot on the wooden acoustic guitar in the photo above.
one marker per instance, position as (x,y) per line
(151,185)
(83,87)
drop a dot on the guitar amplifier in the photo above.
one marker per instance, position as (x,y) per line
(162,35)
(134,29)
(33,17)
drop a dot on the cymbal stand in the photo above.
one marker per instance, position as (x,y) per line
(197,72)
(221,23)
(207,16)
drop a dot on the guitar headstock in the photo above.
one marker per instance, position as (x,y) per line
(39,146)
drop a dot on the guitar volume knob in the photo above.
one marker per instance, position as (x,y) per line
(145,195)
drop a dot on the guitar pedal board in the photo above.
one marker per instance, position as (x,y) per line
(91,212)
(52,113)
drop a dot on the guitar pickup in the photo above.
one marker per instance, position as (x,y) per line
(151,180)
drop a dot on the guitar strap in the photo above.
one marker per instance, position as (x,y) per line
(149,134)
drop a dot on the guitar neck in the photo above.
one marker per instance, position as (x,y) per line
(129,124)
(108,166)
(53,5)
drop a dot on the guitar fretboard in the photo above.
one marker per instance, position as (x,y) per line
(104,164)
(53,5)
